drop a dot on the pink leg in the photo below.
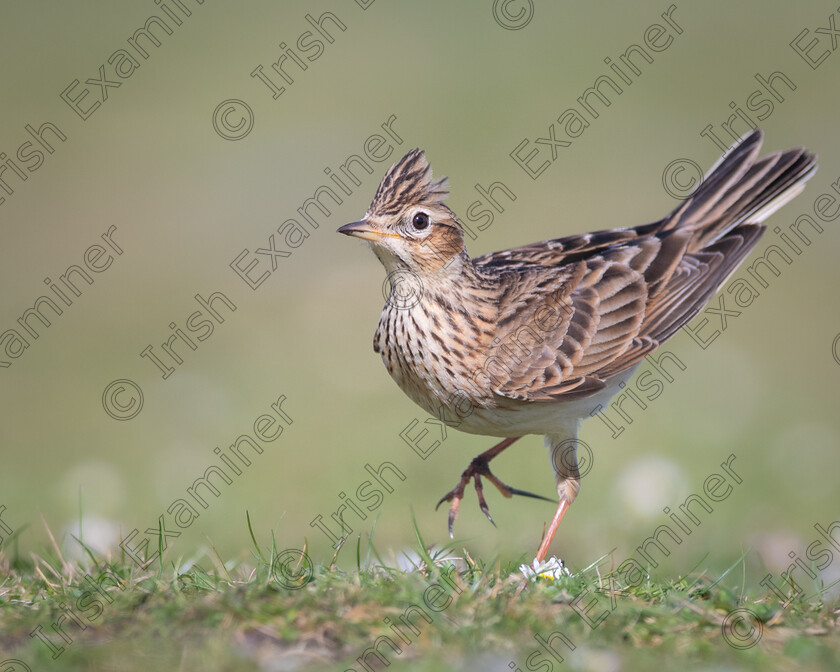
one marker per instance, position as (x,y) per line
(552,529)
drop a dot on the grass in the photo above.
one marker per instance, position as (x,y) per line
(276,610)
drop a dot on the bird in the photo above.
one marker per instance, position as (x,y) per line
(530,340)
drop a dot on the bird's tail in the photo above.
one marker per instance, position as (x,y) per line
(741,189)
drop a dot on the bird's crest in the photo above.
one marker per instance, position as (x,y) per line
(408,182)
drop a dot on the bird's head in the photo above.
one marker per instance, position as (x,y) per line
(408,226)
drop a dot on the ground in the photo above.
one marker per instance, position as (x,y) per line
(438,611)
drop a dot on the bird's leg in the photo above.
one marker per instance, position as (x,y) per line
(563,452)
(552,530)
(480,466)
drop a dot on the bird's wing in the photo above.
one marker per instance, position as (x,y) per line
(556,332)
(617,294)
(564,335)
(561,250)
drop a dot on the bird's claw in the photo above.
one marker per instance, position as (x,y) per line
(479,467)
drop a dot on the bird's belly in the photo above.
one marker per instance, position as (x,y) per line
(442,381)
(493,415)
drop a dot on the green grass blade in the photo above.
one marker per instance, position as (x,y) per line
(253,538)
(422,550)
(85,548)
(733,566)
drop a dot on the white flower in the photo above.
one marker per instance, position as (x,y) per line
(553,569)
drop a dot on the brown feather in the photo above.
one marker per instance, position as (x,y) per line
(631,289)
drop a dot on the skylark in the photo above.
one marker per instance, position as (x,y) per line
(530,340)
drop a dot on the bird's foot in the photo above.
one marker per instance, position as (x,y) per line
(480,466)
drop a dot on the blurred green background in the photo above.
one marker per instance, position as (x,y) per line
(186,202)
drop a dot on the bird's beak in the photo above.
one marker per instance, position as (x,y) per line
(364,231)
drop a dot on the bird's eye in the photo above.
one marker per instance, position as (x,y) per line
(420,221)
